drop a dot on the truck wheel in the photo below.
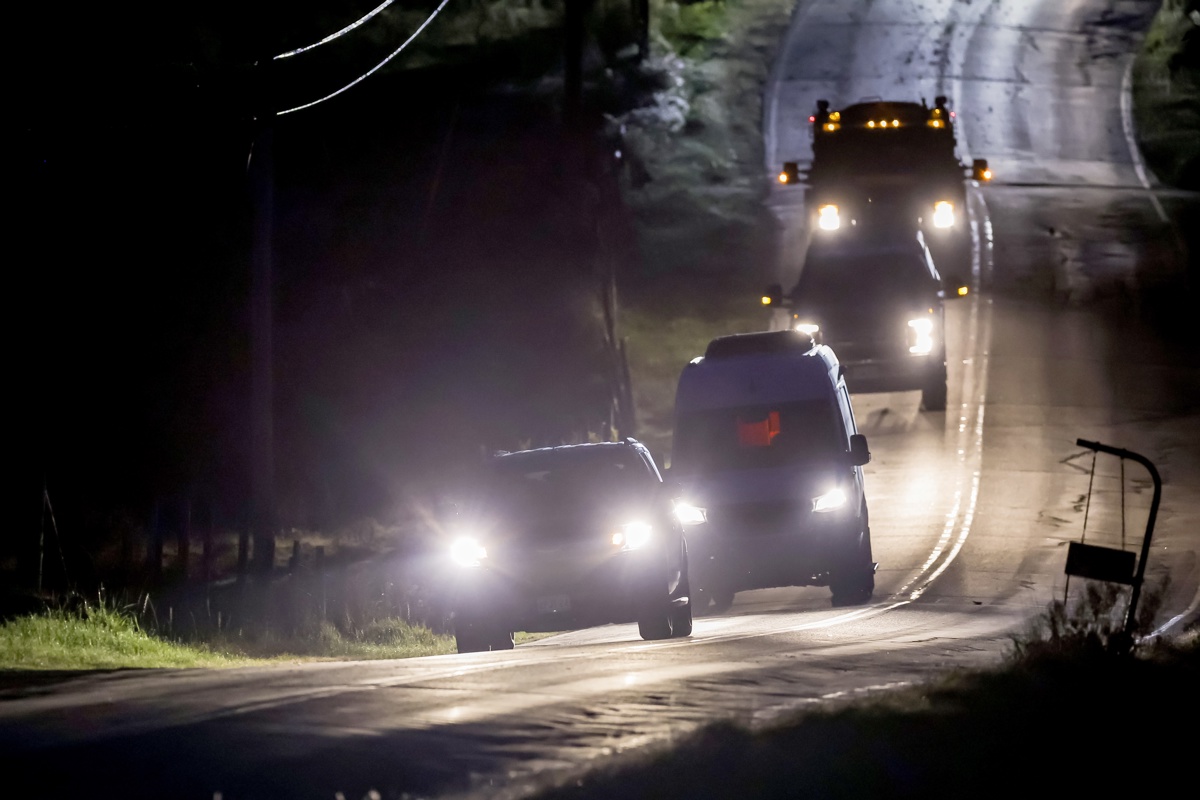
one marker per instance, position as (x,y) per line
(933,396)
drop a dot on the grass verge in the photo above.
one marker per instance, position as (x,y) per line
(99,637)
(1076,716)
(1166,94)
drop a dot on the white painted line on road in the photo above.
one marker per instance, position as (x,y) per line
(1135,153)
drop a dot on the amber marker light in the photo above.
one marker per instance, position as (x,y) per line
(963,291)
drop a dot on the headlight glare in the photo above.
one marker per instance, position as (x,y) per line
(920,336)
(466,551)
(828,218)
(832,500)
(632,536)
(811,328)
(689,514)
(943,214)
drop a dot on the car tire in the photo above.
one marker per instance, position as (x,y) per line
(475,636)
(852,583)
(681,612)
(503,640)
(933,396)
(656,614)
(681,620)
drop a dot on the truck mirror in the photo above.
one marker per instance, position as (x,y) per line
(980,171)
(859,453)
(790,173)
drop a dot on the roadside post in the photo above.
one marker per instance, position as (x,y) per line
(1108,563)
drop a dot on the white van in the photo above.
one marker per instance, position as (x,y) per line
(766,444)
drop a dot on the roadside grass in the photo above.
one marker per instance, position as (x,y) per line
(1063,707)
(100,639)
(1166,94)
(100,636)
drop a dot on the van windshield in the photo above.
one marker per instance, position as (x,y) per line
(757,437)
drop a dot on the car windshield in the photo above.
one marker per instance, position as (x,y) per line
(583,484)
(757,437)
(852,276)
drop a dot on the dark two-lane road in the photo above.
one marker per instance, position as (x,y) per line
(971,509)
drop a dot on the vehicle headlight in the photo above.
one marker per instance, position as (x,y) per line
(811,328)
(632,535)
(920,336)
(689,514)
(828,218)
(943,214)
(466,551)
(832,500)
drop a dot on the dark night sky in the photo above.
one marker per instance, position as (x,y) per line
(393,337)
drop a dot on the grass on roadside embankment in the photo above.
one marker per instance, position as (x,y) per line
(1166,94)
(101,639)
(105,638)
(1062,709)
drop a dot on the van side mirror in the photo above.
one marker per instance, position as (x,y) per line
(980,171)
(859,453)
(772,297)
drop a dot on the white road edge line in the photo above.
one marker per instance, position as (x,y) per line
(1139,166)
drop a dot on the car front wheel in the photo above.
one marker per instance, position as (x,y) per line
(852,582)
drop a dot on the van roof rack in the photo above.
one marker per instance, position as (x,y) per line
(744,344)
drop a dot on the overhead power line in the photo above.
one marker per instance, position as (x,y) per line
(333,36)
(374,69)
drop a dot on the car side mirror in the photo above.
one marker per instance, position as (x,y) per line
(859,453)
(980,171)
(773,297)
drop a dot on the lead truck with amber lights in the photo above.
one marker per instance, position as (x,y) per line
(880,167)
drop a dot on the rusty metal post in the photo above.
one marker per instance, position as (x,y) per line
(1139,577)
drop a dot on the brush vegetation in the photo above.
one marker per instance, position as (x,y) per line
(1166,94)
(105,636)
(1071,705)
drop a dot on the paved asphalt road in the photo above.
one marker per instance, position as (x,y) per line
(971,509)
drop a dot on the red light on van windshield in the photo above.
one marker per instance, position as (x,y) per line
(759,433)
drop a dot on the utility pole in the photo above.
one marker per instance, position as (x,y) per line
(262,418)
(575,12)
